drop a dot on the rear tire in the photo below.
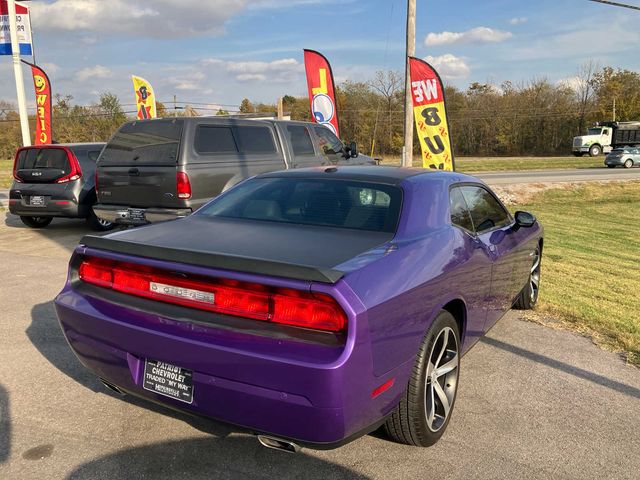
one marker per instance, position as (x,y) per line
(528,297)
(577,154)
(628,163)
(36,222)
(611,166)
(98,224)
(595,150)
(425,409)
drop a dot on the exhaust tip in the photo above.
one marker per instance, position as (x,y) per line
(278,444)
(112,387)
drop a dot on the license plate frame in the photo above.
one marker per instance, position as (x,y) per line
(137,215)
(168,380)
(37,201)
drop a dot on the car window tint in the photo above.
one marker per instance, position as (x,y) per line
(459,212)
(333,203)
(214,139)
(300,140)
(43,158)
(148,142)
(255,140)
(329,143)
(486,212)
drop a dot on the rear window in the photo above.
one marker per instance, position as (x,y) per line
(153,142)
(319,202)
(43,158)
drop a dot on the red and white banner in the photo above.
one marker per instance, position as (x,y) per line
(429,111)
(23,26)
(322,93)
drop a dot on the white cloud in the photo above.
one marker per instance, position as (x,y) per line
(518,20)
(282,70)
(251,77)
(143,18)
(475,35)
(97,71)
(575,83)
(449,66)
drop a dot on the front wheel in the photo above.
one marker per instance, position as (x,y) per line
(595,150)
(528,297)
(424,411)
(628,163)
(36,222)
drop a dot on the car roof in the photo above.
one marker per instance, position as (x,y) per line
(70,145)
(375,174)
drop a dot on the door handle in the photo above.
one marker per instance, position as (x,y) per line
(134,171)
(492,248)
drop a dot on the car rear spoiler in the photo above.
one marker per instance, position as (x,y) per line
(214,260)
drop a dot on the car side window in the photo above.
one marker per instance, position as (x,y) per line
(255,140)
(329,143)
(214,139)
(486,212)
(300,139)
(460,216)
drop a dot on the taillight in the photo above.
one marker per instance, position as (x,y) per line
(15,167)
(183,186)
(258,302)
(76,171)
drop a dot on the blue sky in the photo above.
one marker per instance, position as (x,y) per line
(217,52)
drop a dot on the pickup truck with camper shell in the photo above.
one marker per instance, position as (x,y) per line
(162,169)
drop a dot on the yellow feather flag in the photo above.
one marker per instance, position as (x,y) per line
(145,98)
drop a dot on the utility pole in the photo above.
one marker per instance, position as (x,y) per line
(17,70)
(407,154)
(280,113)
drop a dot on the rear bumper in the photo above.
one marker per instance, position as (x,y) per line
(58,204)
(313,394)
(138,216)
(614,161)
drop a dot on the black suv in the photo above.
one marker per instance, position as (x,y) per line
(56,181)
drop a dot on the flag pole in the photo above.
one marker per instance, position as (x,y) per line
(17,69)
(407,157)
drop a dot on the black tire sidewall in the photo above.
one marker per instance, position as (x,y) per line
(94,223)
(31,222)
(425,436)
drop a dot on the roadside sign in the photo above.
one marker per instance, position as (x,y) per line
(23,25)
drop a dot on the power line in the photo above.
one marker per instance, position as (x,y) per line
(616,4)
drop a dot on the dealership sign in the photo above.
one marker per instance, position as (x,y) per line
(23,26)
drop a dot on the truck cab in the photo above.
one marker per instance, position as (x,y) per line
(595,142)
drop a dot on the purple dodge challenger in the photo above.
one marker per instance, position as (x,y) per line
(308,306)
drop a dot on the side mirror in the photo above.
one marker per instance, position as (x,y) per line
(353,149)
(525,219)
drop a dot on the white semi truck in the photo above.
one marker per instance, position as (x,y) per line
(605,136)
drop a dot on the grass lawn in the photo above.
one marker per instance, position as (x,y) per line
(496,164)
(6,173)
(591,261)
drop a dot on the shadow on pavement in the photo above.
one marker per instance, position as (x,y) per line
(5,425)
(233,458)
(66,232)
(564,367)
(45,334)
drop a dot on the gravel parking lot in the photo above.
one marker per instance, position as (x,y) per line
(533,402)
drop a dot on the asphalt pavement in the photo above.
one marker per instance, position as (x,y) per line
(560,176)
(533,402)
